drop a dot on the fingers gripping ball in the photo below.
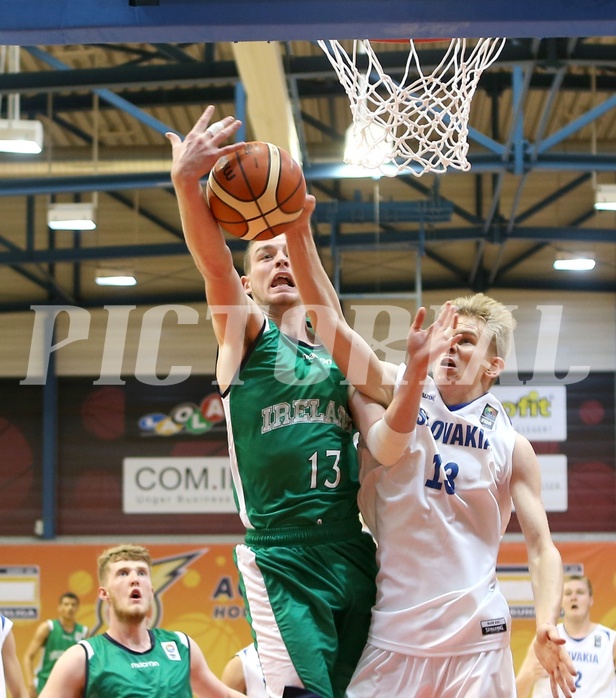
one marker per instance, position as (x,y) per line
(255,192)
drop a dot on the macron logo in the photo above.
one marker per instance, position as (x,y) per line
(144,665)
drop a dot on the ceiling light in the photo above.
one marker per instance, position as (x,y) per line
(367,145)
(71,216)
(571,263)
(17,135)
(605,197)
(113,277)
(21,136)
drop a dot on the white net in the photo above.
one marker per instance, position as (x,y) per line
(417,124)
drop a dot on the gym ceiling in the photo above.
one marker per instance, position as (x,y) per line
(109,78)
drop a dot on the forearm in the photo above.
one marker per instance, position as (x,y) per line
(312,280)
(351,352)
(390,437)
(204,238)
(28,670)
(524,682)
(402,413)
(546,573)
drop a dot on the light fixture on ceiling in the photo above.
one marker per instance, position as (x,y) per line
(21,136)
(574,262)
(71,216)
(17,135)
(115,277)
(605,197)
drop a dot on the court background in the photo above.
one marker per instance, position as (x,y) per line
(99,425)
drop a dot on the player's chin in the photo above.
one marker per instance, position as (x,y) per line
(445,376)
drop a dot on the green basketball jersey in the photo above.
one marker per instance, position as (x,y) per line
(58,641)
(117,672)
(290,435)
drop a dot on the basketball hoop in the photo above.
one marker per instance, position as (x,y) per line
(414,125)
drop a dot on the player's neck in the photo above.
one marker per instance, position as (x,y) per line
(291,320)
(454,394)
(579,629)
(134,636)
(67,625)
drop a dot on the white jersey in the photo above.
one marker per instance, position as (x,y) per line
(438,516)
(253,674)
(5,628)
(593,658)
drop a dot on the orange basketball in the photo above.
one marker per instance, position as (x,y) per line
(255,192)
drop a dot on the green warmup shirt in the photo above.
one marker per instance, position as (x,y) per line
(114,671)
(290,436)
(58,641)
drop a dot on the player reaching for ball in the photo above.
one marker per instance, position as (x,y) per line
(441,468)
(306,568)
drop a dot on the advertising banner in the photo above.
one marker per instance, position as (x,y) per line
(196,588)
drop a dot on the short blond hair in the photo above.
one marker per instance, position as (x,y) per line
(579,578)
(125,551)
(498,319)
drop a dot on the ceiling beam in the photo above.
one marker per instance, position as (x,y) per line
(269,111)
(395,240)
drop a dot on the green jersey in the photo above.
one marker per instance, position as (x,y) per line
(290,436)
(58,641)
(114,671)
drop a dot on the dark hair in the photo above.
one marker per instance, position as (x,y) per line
(69,595)
(247,258)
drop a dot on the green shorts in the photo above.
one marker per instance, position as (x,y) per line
(308,595)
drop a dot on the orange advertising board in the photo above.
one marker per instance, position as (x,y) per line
(197,590)
(596,559)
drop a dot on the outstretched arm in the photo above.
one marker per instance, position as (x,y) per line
(388,432)
(545,565)
(234,318)
(351,352)
(12,671)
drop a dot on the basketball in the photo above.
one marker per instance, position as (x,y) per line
(255,192)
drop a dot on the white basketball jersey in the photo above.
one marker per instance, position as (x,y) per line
(593,658)
(253,674)
(438,516)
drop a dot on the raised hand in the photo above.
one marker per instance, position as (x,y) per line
(425,345)
(195,156)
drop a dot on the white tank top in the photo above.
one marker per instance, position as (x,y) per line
(438,517)
(593,658)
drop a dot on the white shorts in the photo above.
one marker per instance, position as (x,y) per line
(389,674)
